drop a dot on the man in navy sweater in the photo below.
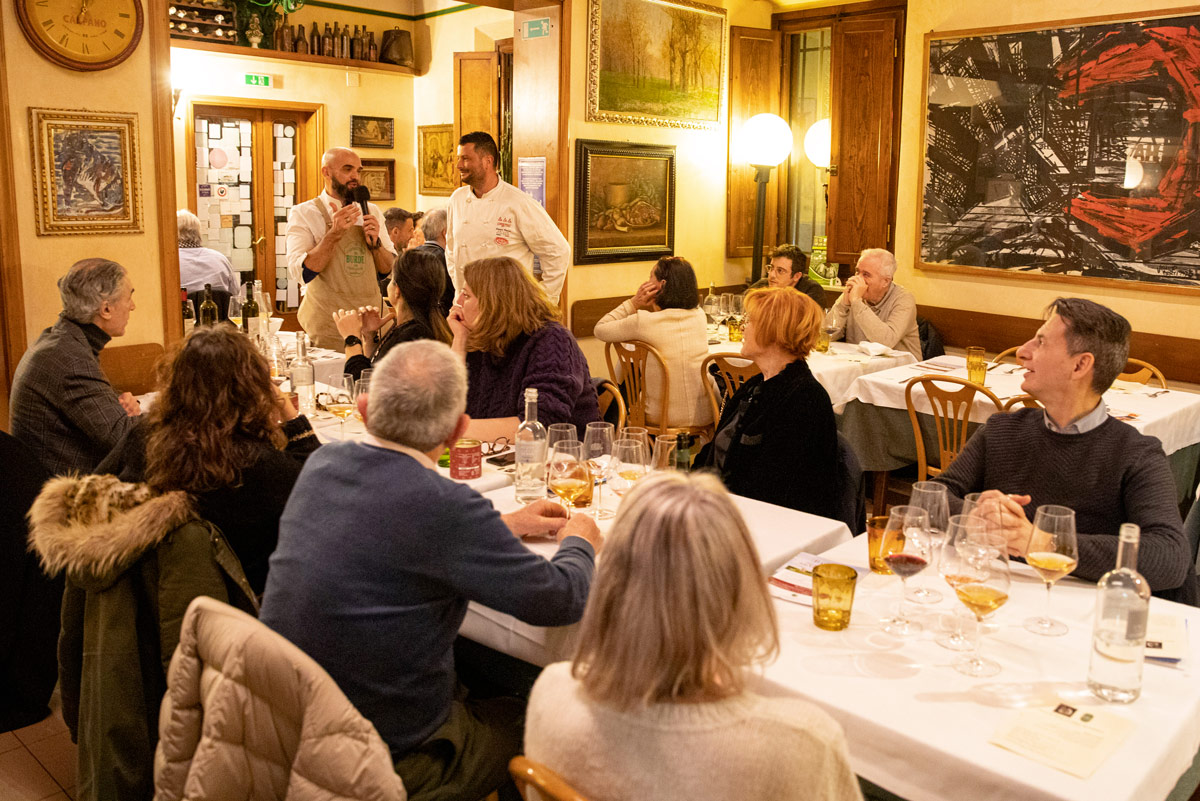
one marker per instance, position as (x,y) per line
(1072,453)
(378,557)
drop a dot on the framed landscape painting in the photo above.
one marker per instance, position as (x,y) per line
(625,202)
(379,176)
(656,63)
(86,171)
(1066,152)
(436,157)
(372,131)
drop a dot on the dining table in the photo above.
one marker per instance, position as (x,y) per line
(328,365)
(918,728)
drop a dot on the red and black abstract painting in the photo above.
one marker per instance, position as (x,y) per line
(1067,151)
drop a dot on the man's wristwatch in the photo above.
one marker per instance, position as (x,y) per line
(352,340)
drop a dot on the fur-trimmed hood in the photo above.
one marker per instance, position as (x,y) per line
(95,527)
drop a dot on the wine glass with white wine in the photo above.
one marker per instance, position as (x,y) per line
(984,590)
(342,405)
(568,473)
(631,463)
(598,448)
(1053,552)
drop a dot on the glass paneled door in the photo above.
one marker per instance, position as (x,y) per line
(250,169)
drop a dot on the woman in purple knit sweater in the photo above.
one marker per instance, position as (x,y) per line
(508,332)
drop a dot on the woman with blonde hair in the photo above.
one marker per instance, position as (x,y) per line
(654,704)
(507,329)
(776,440)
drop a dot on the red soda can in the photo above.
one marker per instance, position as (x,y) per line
(466,459)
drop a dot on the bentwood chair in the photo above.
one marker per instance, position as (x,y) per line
(545,783)
(1027,401)
(634,357)
(951,416)
(724,374)
(608,394)
(1004,354)
(1141,372)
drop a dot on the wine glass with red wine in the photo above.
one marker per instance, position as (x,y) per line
(906,543)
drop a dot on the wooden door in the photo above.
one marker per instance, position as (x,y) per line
(477,94)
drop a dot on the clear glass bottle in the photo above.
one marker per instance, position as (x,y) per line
(302,377)
(1119,632)
(208,309)
(189,312)
(530,445)
(264,308)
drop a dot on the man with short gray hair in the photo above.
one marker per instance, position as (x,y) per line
(874,308)
(63,407)
(378,557)
(433,226)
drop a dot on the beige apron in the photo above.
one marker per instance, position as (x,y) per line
(347,282)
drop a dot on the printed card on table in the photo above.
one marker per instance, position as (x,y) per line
(1167,639)
(793,581)
(1075,740)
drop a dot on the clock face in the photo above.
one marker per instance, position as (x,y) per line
(82,34)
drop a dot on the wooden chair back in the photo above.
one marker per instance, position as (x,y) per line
(732,375)
(1028,401)
(633,357)
(545,783)
(607,394)
(1141,372)
(951,415)
(1004,354)
(130,368)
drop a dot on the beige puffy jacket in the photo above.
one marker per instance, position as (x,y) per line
(249,715)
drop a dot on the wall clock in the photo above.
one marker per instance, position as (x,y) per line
(82,34)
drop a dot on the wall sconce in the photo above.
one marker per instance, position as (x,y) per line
(818,147)
(766,142)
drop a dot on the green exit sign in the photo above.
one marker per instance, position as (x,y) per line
(535,28)
(258,80)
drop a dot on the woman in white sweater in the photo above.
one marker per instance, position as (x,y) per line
(666,313)
(654,704)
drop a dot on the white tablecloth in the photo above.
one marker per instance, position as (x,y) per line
(779,534)
(327,364)
(920,729)
(1173,416)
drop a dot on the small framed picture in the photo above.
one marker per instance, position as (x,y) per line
(379,175)
(435,149)
(624,201)
(372,132)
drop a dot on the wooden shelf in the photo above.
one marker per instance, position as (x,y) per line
(276,55)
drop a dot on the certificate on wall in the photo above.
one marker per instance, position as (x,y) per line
(531,177)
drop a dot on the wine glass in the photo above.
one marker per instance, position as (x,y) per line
(906,559)
(559,432)
(639,433)
(1053,552)
(963,541)
(970,501)
(568,474)
(362,387)
(235,309)
(934,499)
(983,590)
(598,449)
(829,324)
(631,463)
(663,457)
(342,403)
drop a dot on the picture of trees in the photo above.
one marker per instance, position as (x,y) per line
(656,63)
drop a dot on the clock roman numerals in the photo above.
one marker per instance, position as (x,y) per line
(95,35)
(119,32)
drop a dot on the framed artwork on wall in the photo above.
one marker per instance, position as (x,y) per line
(658,62)
(436,156)
(372,132)
(87,172)
(1069,152)
(624,201)
(379,175)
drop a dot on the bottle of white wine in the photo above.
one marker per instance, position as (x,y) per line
(530,442)
(302,378)
(250,311)
(1119,633)
(208,309)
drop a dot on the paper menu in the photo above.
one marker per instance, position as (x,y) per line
(1167,639)
(793,581)
(1075,740)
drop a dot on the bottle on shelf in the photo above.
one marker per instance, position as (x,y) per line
(345,40)
(355,43)
(301,40)
(327,41)
(208,309)
(302,377)
(314,40)
(372,48)
(189,312)
(289,38)
(277,35)
(530,444)
(362,44)
(250,312)
(1119,631)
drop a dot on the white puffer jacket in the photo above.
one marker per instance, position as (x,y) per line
(249,715)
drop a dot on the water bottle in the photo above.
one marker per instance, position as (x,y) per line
(302,378)
(530,442)
(1119,634)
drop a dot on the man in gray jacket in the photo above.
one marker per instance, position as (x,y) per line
(63,407)
(874,309)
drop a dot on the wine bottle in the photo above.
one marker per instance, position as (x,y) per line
(327,41)
(355,42)
(1119,633)
(372,48)
(302,377)
(208,309)
(289,38)
(250,311)
(530,442)
(302,40)
(314,40)
(337,41)
(683,453)
(189,312)
(264,307)
(345,40)
(277,35)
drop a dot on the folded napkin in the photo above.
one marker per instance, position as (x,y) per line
(873,348)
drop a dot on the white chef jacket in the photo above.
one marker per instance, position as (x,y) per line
(504,222)
(306,227)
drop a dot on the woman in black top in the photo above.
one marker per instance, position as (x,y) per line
(220,430)
(415,292)
(777,439)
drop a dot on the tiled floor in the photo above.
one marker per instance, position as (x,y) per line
(38,762)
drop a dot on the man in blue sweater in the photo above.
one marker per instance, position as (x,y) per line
(378,556)
(1072,453)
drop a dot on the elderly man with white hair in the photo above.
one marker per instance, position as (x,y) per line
(874,308)
(378,557)
(433,226)
(63,407)
(199,265)
(336,250)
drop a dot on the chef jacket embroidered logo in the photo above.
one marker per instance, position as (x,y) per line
(504,229)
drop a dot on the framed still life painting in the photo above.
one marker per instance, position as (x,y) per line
(87,172)
(625,202)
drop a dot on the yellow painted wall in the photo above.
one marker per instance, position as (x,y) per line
(35,82)
(1149,312)
(377,95)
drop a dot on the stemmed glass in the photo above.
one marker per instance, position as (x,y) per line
(1053,552)
(639,433)
(712,316)
(235,308)
(726,308)
(663,457)
(829,324)
(934,499)
(342,403)
(906,558)
(361,387)
(598,448)
(568,474)
(984,589)
(963,541)
(558,432)
(631,463)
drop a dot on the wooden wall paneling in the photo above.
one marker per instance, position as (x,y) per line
(754,66)
(12,297)
(130,368)
(477,94)
(164,172)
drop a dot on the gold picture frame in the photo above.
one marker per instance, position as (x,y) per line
(379,176)
(87,172)
(688,91)
(435,160)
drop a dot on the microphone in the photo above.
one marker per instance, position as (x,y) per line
(361,195)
